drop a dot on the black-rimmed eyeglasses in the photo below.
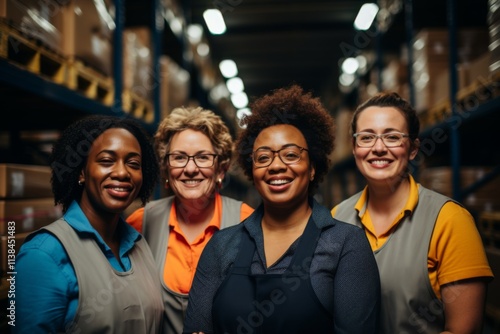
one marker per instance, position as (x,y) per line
(180,160)
(263,157)
(390,139)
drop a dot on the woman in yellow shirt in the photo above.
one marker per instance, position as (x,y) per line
(432,264)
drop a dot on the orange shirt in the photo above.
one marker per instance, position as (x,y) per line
(182,256)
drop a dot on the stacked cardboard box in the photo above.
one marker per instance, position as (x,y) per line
(138,62)
(343,137)
(26,204)
(174,85)
(431,59)
(77,29)
(484,199)
(87,33)
(36,19)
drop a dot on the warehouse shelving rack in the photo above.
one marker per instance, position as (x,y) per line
(456,118)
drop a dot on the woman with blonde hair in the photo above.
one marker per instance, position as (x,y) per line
(195,149)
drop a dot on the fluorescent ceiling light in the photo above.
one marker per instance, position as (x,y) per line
(365,17)
(239,100)
(235,85)
(362,64)
(228,68)
(176,26)
(215,21)
(174,23)
(203,49)
(350,65)
(346,79)
(218,92)
(194,33)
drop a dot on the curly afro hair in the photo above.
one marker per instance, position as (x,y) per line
(295,107)
(69,156)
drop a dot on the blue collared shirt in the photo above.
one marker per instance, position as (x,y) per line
(46,297)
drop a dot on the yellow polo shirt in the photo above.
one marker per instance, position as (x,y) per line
(456,250)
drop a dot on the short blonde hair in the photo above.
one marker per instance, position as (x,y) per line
(199,119)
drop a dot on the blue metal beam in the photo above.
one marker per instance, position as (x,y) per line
(24,80)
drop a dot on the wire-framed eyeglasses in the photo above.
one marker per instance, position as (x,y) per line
(390,139)
(180,160)
(291,154)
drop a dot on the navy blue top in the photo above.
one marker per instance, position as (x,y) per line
(343,271)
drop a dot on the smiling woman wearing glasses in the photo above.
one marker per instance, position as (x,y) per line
(194,147)
(432,264)
(289,267)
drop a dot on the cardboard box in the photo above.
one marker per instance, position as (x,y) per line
(138,61)
(479,68)
(483,199)
(174,85)
(28,214)
(343,138)
(36,19)
(441,86)
(431,60)
(87,33)
(25,181)
(432,45)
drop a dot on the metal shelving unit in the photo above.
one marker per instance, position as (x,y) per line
(70,103)
(451,126)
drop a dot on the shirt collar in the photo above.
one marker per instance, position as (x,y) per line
(215,222)
(410,205)
(75,217)
(320,214)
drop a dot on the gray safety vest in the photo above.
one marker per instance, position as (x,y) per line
(111,301)
(409,304)
(155,228)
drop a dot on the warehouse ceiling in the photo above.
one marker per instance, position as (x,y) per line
(276,43)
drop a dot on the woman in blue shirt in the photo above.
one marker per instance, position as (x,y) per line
(90,271)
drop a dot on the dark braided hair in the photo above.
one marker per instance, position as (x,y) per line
(69,156)
(295,107)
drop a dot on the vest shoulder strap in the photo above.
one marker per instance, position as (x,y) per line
(231,212)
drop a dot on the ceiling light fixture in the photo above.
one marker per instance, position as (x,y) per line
(365,17)
(194,33)
(239,100)
(215,21)
(235,85)
(350,65)
(203,49)
(228,68)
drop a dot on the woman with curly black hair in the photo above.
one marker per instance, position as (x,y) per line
(289,267)
(89,271)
